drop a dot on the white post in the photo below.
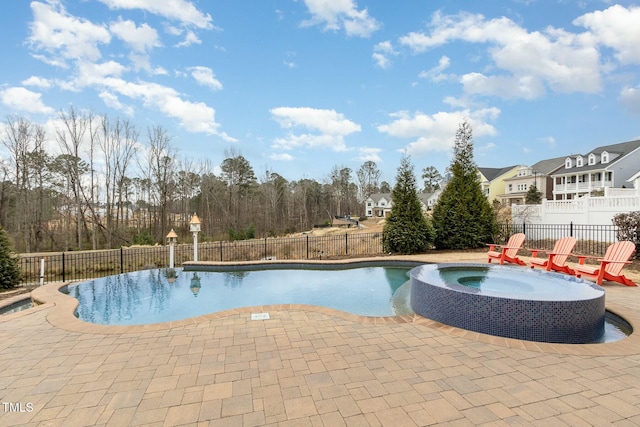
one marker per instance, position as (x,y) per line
(171,255)
(41,271)
(195,246)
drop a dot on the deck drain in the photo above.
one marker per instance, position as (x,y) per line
(260,316)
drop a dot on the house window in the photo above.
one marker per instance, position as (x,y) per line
(592,159)
(568,163)
(368,204)
(604,157)
(522,187)
(579,161)
(510,188)
(607,176)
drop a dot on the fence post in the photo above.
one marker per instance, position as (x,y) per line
(121,261)
(346,243)
(571,229)
(220,250)
(524,228)
(265,248)
(307,246)
(63,268)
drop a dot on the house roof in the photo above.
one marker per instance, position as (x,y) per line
(621,149)
(376,197)
(546,167)
(493,173)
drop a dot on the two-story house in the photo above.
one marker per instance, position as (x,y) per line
(378,205)
(538,175)
(606,166)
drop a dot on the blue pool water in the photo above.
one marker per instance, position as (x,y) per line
(513,282)
(149,297)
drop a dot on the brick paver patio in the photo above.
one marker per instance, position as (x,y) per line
(307,366)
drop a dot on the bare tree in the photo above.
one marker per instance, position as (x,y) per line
(74,125)
(368,180)
(118,142)
(160,171)
(19,142)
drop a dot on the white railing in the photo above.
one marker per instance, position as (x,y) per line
(585,210)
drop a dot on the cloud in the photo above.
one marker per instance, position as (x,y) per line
(140,39)
(340,14)
(529,61)
(506,87)
(189,39)
(282,157)
(435,74)
(433,133)
(618,28)
(366,154)
(112,101)
(381,53)
(196,117)
(63,36)
(21,99)
(630,98)
(64,40)
(177,10)
(37,82)
(205,77)
(327,128)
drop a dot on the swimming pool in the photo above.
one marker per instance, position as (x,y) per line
(148,296)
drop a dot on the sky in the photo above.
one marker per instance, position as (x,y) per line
(299,87)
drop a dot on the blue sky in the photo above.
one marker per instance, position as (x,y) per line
(300,87)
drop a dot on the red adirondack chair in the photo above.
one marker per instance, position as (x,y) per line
(616,257)
(557,258)
(508,252)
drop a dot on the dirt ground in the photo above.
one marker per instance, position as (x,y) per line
(373,225)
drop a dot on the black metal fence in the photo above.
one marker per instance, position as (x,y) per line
(591,239)
(66,266)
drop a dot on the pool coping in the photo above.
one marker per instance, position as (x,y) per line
(63,307)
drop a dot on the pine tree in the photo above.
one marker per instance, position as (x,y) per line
(9,270)
(533,196)
(463,217)
(406,230)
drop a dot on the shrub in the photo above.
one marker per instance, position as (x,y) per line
(628,228)
(9,269)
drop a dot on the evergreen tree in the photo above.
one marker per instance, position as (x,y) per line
(533,196)
(463,217)
(9,270)
(406,230)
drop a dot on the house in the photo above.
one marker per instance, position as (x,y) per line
(604,167)
(538,174)
(378,205)
(492,180)
(635,181)
(429,200)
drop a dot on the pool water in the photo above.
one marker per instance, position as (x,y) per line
(514,282)
(148,296)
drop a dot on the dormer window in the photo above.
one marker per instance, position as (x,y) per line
(568,164)
(592,159)
(579,161)
(604,157)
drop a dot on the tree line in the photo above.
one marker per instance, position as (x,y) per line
(109,184)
